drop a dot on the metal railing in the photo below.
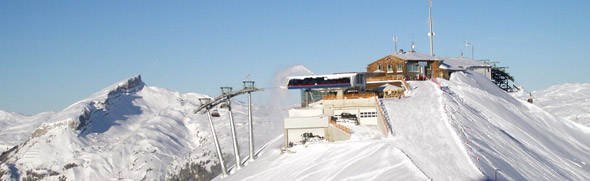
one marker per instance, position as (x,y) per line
(348,96)
(371,79)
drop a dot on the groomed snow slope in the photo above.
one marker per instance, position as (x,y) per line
(349,160)
(422,131)
(131,131)
(520,139)
(570,101)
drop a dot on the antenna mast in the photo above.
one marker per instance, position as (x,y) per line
(430,34)
(395,42)
(413,46)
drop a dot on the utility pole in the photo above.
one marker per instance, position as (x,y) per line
(430,34)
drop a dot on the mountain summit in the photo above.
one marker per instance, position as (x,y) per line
(127,131)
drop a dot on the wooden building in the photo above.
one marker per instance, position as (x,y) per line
(395,68)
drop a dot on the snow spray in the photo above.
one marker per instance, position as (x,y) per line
(281,98)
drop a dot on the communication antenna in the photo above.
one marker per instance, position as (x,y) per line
(466,45)
(395,42)
(430,34)
(413,46)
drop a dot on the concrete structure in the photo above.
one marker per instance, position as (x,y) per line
(367,110)
(305,120)
(317,119)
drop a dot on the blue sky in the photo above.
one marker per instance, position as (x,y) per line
(53,54)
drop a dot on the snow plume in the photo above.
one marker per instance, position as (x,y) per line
(281,98)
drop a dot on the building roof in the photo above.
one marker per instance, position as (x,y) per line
(414,56)
(410,56)
(461,63)
(326,76)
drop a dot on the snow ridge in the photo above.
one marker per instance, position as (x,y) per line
(130,131)
(523,141)
(570,101)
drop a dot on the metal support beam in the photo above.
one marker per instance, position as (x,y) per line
(227,94)
(251,131)
(215,139)
(249,85)
(227,90)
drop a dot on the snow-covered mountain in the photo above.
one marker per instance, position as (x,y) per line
(468,129)
(16,128)
(126,131)
(570,101)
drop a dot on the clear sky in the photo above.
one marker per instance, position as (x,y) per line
(54,53)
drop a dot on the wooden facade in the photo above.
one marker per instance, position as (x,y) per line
(389,65)
(395,67)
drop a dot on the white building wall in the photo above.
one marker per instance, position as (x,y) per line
(350,111)
(368,116)
(307,122)
(487,72)
(305,112)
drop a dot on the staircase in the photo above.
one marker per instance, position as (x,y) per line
(385,115)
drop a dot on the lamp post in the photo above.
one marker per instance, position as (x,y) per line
(227,91)
(217,147)
(249,86)
(466,45)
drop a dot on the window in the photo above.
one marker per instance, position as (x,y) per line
(368,114)
(360,78)
(399,68)
(413,68)
(380,68)
(389,68)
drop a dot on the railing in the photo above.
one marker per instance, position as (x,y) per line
(339,126)
(371,79)
(349,96)
(385,119)
(394,94)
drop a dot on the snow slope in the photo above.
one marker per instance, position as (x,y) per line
(130,131)
(520,139)
(350,160)
(465,130)
(468,130)
(570,101)
(422,131)
(16,128)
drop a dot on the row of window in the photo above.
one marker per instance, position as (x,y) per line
(399,68)
(368,114)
